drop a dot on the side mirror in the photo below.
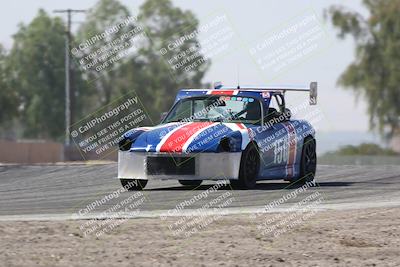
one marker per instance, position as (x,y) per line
(163,115)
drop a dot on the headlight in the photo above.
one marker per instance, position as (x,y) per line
(125,144)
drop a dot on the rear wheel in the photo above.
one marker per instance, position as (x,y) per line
(133,184)
(191,183)
(249,166)
(308,164)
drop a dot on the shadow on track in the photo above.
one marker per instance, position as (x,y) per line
(267,186)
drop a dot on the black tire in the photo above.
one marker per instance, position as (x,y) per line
(249,167)
(133,184)
(308,164)
(191,183)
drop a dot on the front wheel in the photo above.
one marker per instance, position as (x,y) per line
(133,184)
(248,172)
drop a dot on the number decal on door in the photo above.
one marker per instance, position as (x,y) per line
(281,151)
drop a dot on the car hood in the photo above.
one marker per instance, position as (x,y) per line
(189,137)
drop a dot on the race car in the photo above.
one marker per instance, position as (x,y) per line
(240,134)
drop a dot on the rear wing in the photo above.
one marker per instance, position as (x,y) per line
(312,89)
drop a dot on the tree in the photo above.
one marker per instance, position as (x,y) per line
(154,78)
(375,73)
(36,63)
(143,69)
(101,19)
(8,96)
(368,149)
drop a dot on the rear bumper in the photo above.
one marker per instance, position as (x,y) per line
(207,166)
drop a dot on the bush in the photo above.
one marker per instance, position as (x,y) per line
(363,149)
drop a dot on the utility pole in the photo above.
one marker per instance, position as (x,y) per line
(68,70)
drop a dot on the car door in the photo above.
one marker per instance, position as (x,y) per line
(274,140)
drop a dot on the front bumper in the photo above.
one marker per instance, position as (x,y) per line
(206,166)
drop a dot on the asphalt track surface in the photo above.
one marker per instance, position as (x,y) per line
(67,189)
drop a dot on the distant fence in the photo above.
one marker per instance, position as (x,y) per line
(30,152)
(43,152)
(358,160)
(72,153)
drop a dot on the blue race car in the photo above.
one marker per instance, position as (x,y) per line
(241,134)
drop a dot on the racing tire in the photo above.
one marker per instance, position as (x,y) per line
(133,184)
(308,164)
(191,183)
(249,167)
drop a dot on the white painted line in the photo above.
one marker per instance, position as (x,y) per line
(194,212)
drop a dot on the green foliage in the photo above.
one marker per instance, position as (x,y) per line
(8,96)
(143,70)
(32,77)
(37,67)
(163,23)
(374,74)
(37,72)
(104,15)
(369,149)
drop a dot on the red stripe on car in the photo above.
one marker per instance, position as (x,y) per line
(177,140)
(241,125)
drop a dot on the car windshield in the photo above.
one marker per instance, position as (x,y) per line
(216,108)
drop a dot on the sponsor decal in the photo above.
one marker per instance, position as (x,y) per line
(222,92)
(266,94)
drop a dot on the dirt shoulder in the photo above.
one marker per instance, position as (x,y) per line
(368,237)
